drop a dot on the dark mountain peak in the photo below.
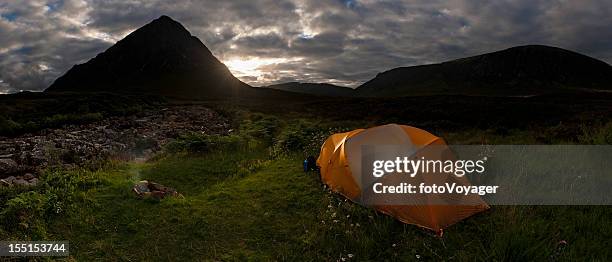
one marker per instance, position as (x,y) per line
(528,69)
(163,26)
(161,57)
(166,35)
(164,18)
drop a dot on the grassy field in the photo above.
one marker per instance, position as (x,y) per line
(278,212)
(245,197)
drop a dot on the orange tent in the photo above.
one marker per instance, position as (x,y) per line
(340,164)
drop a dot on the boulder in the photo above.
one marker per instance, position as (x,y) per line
(20,182)
(8,166)
(4,182)
(10,179)
(33,182)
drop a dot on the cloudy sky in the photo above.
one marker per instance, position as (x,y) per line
(343,42)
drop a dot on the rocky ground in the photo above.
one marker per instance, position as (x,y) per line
(138,136)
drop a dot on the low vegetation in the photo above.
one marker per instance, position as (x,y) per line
(26,113)
(245,197)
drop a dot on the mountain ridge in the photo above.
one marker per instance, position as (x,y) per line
(319,89)
(517,70)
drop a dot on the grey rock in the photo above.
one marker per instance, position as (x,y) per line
(10,179)
(28,176)
(8,166)
(20,182)
(33,182)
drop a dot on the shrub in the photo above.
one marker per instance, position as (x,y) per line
(26,213)
(261,127)
(304,137)
(599,135)
(9,127)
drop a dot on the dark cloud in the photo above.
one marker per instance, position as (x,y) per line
(262,45)
(268,41)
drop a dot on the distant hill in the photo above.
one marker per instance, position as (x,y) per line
(320,89)
(521,70)
(161,57)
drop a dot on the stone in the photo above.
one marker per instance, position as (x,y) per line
(20,182)
(28,176)
(33,182)
(8,166)
(10,179)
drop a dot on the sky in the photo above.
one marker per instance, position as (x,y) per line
(344,42)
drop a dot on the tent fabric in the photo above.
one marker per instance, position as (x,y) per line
(340,165)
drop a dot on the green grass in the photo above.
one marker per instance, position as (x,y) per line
(278,212)
(249,202)
(223,214)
